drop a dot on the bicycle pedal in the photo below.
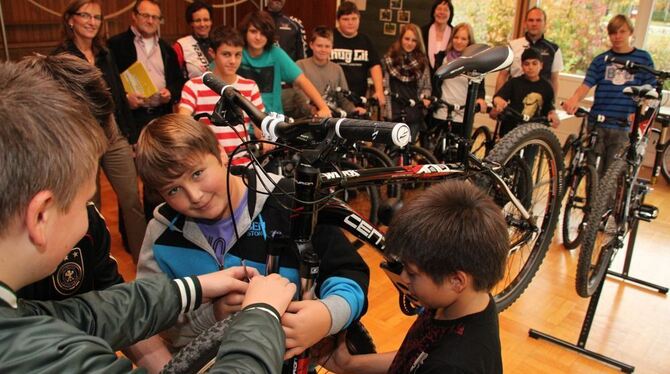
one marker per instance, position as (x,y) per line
(646,212)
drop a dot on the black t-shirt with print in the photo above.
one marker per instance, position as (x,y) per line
(530,98)
(356,56)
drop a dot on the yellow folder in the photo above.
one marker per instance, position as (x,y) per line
(136,79)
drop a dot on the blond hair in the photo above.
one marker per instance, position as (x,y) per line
(170,145)
(48,142)
(618,22)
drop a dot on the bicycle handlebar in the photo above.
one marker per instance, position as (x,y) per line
(274,127)
(401,100)
(633,66)
(600,118)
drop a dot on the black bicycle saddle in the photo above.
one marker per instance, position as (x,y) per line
(477,59)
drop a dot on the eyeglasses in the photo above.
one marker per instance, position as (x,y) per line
(89,16)
(148,16)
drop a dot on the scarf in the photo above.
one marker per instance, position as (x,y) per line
(407,71)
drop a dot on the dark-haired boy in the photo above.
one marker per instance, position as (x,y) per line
(450,266)
(196,98)
(529,94)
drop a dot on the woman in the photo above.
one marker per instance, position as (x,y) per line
(455,90)
(269,66)
(82,37)
(436,34)
(406,73)
(192,50)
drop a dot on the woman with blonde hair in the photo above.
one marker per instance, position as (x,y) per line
(84,37)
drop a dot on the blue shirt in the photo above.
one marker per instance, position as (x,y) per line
(611,79)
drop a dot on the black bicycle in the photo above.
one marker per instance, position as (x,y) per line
(531,210)
(619,204)
(581,174)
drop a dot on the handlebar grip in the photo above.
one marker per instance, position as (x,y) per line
(372,131)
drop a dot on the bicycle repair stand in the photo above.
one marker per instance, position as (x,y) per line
(593,305)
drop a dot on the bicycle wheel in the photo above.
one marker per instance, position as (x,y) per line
(665,164)
(603,231)
(363,199)
(569,154)
(519,153)
(481,139)
(580,191)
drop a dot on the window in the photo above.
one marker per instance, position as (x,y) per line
(579,27)
(658,36)
(492,21)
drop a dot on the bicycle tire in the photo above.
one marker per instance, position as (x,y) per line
(199,353)
(364,199)
(568,158)
(527,248)
(600,233)
(481,140)
(580,192)
(665,164)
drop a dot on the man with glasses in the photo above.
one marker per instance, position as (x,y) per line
(192,49)
(141,43)
(552,59)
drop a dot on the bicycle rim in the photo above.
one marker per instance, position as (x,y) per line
(604,231)
(532,164)
(578,201)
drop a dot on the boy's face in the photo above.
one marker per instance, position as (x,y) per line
(201,191)
(429,293)
(349,24)
(620,39)
(321,48)
(531,68)
(227,59)
(59,240)
(256,41)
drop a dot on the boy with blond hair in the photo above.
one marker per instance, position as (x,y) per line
(49,151)
(213,221)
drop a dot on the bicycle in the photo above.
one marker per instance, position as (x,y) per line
(662,159)
(531,226)
(581,175)
(619,204)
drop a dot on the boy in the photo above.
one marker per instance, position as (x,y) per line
(322,72)
(450,264)
(610,80)
(48,164)
(356,54)
(529,94)
(211,221)
(196,98)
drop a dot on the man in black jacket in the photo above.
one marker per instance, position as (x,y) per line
(141,43)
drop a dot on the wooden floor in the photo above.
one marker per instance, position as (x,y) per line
(632,324)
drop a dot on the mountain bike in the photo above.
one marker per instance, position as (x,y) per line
(530,210)
(581,175)
(619,204)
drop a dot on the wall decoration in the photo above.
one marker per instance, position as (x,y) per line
(360,4)
(390,28)
(385,15)
(404,16)
(395,4)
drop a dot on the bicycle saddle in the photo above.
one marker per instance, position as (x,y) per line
(645,91)
(482,61)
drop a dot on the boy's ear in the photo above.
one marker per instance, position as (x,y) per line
(211,52)
(224,156)
(458,281)
(38,214)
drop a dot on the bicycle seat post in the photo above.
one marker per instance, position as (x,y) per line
(469,110)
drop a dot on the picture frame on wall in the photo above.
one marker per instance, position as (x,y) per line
(395,4)
(385,15)
(390,28)
(360,4)
(404,16)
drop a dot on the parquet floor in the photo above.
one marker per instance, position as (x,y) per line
(630,325)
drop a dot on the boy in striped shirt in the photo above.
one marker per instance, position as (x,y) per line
(196,98)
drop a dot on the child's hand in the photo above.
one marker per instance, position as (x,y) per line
(333,353)
(228,304)
(570,105)
(553,118)
(499,103)
(274,290)
(219,283)
(305,323)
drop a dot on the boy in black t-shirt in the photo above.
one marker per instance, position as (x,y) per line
(450,264)
(356,54)
(528,94)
